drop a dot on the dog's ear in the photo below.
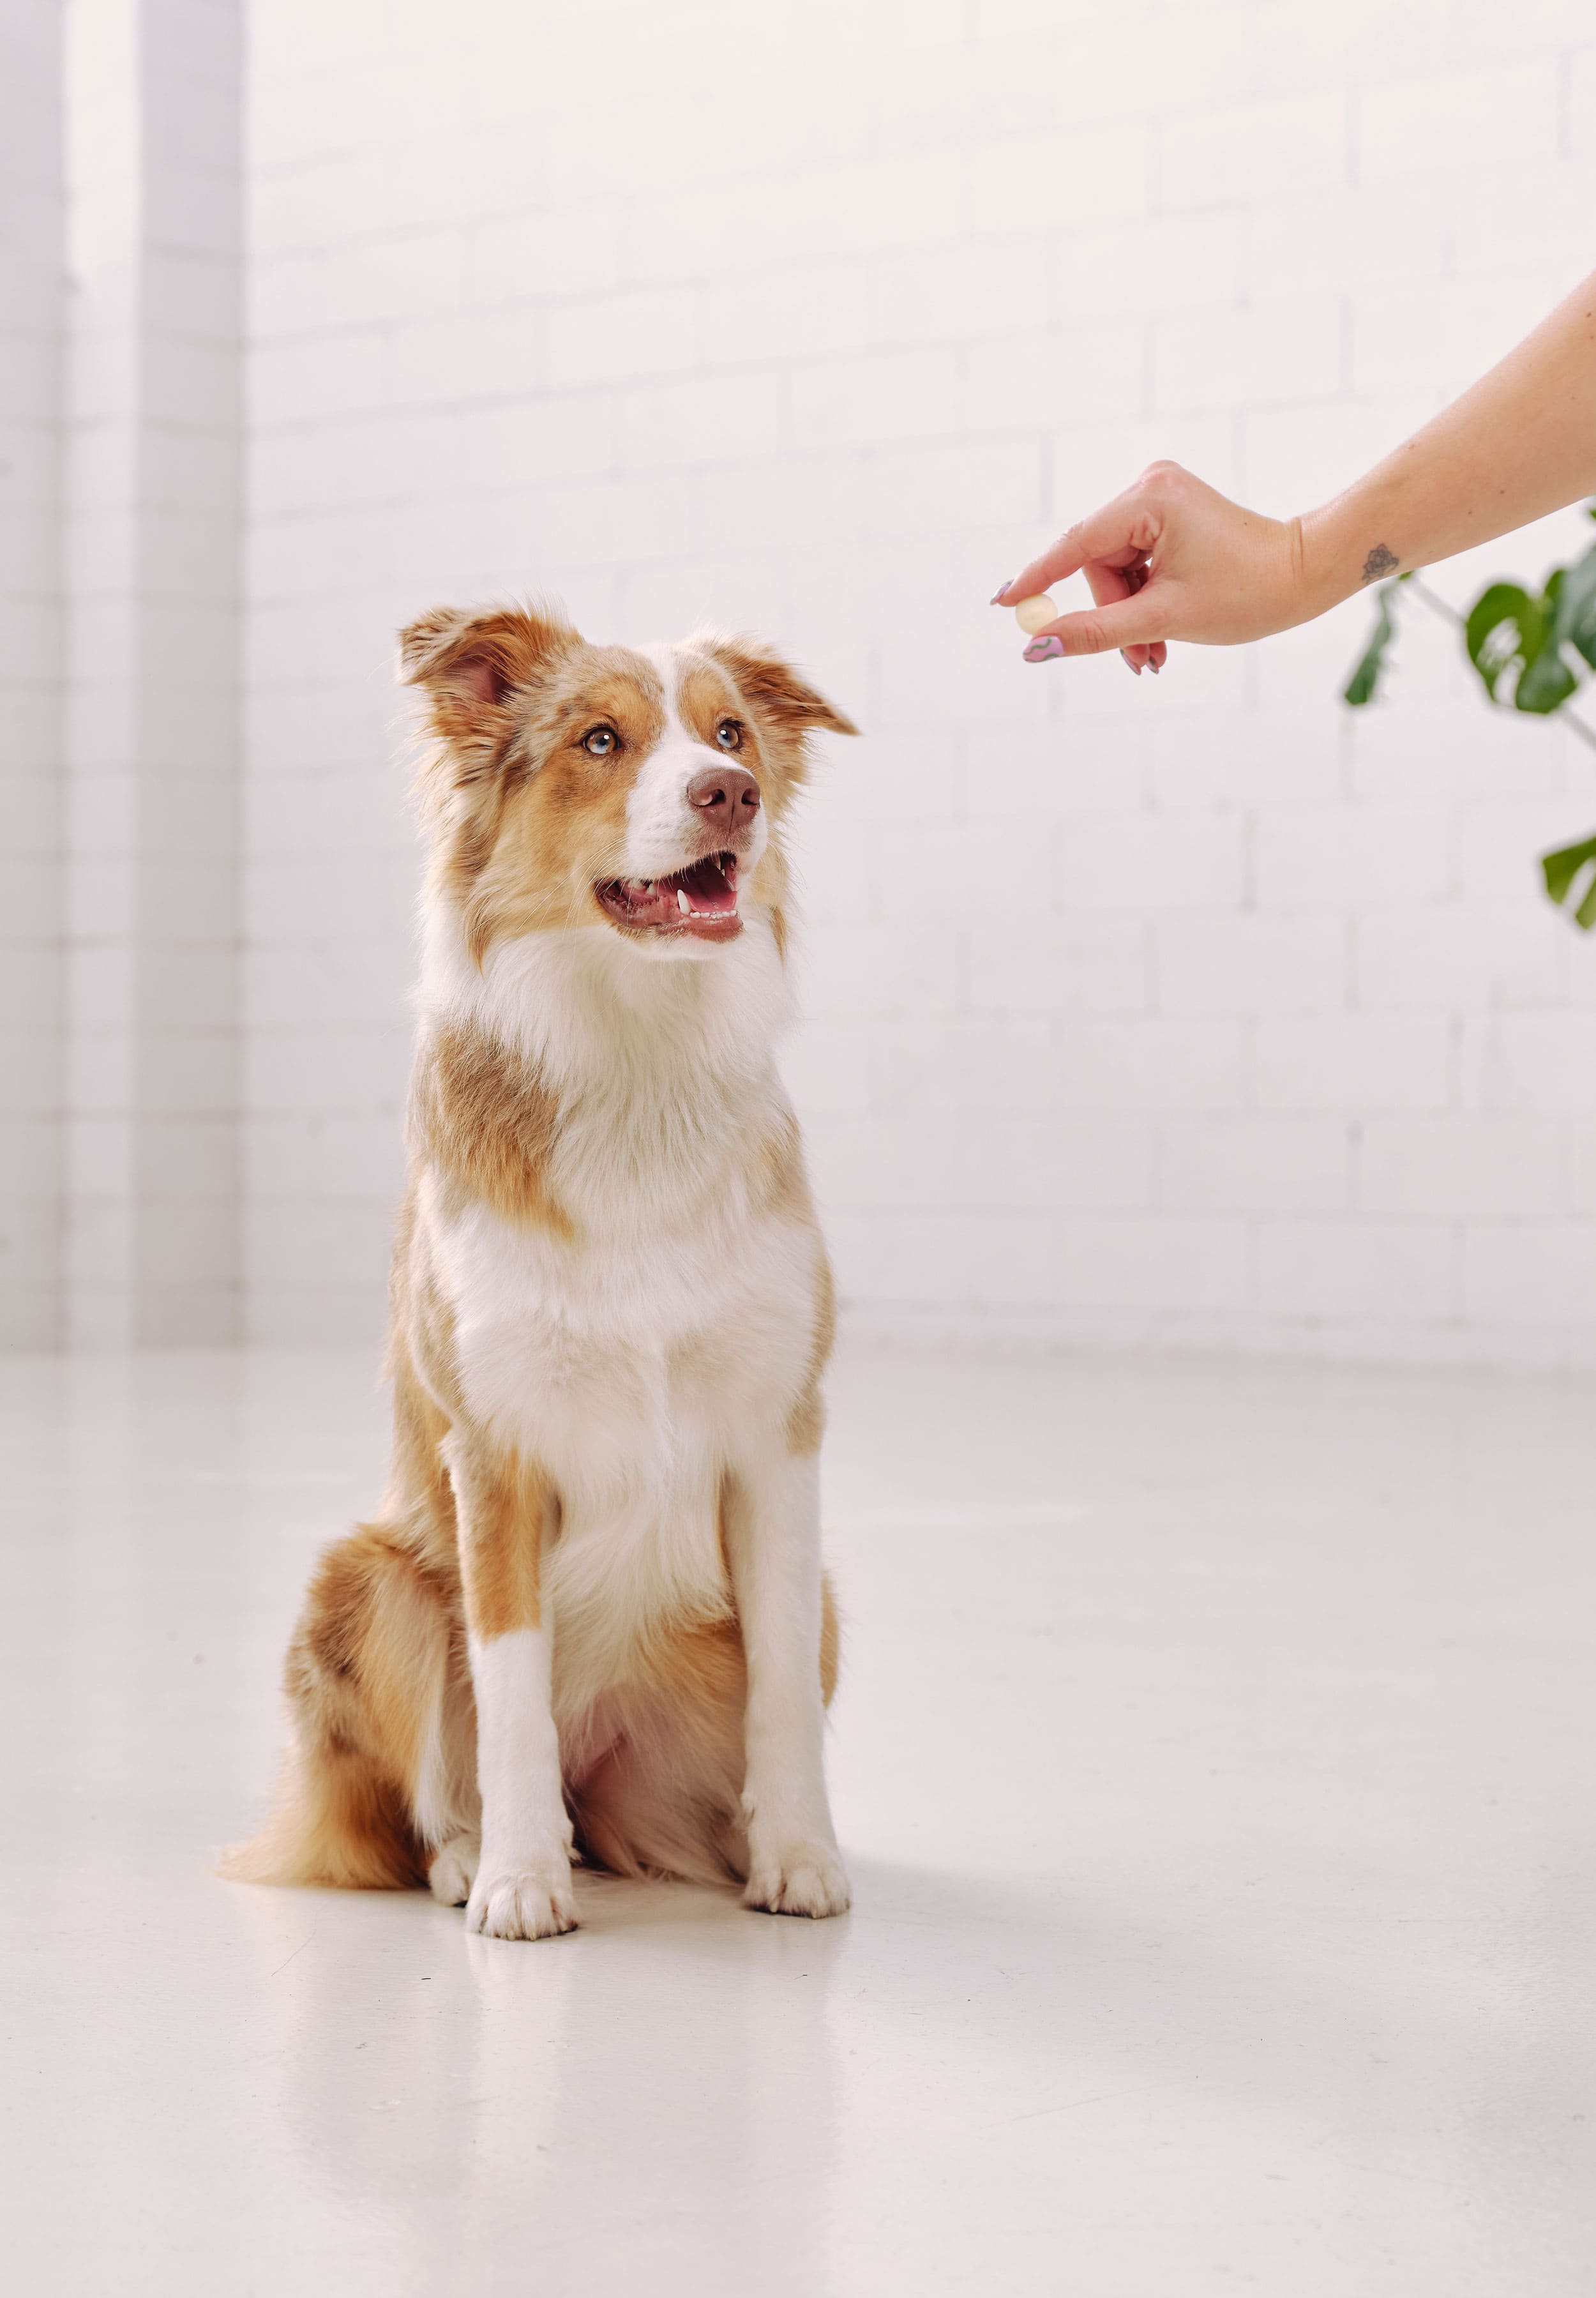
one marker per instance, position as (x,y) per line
(770,685)
(473,667)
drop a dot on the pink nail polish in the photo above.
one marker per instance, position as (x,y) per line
(997,598)
(1045,650)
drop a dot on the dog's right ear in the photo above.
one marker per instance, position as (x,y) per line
(473,667)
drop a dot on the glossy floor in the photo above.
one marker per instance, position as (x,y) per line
(1216,1760)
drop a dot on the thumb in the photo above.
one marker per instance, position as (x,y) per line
(1100,630)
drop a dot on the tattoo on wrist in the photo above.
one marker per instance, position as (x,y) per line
(1379,561)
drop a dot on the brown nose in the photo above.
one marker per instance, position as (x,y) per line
(726,795)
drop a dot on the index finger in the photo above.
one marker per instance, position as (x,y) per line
(1121,530)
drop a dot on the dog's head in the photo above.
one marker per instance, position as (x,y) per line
(631,793)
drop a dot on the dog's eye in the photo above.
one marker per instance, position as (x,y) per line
(729,734)
(601,741)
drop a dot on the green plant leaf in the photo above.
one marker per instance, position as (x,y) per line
(1360,687)
(1561,868)
(1544,683)
(1504,626)
(1506,629)
(1574,622)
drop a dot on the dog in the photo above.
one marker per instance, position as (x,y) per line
(590,1618)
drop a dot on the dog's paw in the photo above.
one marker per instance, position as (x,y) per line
(799,1879)
(453,1870)
(528,1902)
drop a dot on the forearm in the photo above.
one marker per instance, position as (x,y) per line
(1518,444)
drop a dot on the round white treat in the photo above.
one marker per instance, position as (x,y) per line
(1033,614)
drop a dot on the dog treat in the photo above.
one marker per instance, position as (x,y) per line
(1033,614)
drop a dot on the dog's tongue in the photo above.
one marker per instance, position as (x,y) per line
(710,887)
(701,899)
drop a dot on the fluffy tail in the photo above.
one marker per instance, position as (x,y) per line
(367,1677)
(332,1821)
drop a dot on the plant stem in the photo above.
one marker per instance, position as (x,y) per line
(1432,600)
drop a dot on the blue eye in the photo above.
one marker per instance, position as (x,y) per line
(729,734)
(600,741)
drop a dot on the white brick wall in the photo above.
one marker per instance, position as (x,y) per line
(1187,1009)
(150,788)
(32,317)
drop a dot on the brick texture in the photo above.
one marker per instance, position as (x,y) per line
(32,343)
(1189,1009)
(152,535)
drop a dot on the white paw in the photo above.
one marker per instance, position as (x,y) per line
(454,1869)
(799,1879)
(530,1901)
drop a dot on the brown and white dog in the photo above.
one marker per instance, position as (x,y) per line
(591,1612)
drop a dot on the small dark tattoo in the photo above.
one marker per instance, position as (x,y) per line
(1379,561)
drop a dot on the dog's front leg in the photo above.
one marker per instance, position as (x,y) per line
(772,1539)
(523,1884)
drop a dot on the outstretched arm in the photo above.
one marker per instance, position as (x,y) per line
(1171,558)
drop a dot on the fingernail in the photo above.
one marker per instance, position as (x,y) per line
(1135,667)
(997,598)
(1156,668)
(1043,651)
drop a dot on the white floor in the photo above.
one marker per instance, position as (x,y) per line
(1217,1762)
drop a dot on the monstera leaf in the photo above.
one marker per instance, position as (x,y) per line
(1562,869)
(1509,631)
(1520,645)
(1573,621)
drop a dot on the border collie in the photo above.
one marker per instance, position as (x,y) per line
(590,1619)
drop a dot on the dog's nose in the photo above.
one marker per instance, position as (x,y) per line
(726,795)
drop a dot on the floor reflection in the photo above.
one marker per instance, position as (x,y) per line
(467,2098)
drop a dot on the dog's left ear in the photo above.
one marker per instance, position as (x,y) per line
(473,666)
(771,686)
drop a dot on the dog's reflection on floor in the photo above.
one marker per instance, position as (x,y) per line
(674,2038)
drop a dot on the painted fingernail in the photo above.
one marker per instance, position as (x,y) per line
(1043,651)
(997,598)
(1135,667)
(1154,666)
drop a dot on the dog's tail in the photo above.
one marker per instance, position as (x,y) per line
(331,1822)
(368,1678)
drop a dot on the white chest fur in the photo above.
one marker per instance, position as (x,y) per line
(646,1355)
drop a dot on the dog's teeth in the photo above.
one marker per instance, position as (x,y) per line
(682,904)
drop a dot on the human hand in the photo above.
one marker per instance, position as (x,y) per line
(1170,558)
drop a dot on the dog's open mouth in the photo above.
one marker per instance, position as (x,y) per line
(700,900)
